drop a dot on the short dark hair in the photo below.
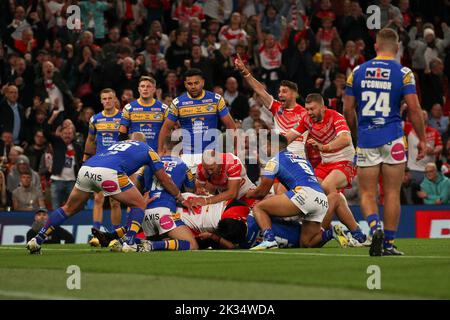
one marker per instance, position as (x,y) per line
(232,230)
(147,78)
(192,73)
(289,84)
(314,97)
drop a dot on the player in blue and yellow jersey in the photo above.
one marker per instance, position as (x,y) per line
(145,114)
(103,132)
(160,215)
(304,197)
(374,93)
(109,172)
(198,112)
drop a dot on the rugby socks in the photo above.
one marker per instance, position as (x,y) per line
(171,245)
(373,221)
(359,235)
(115,226)
(136,216)
(97,225)
(120,232)
(327,234)
(269,235)
(55,219)
(389,237)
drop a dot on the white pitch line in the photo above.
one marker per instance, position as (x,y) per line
(319,254)
(48,249)
(30,295)
(255,252)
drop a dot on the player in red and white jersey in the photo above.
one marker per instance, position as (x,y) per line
(330,134)
(206,218)
(226,173)
(233,33)
(286,111)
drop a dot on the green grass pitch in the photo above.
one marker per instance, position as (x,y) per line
(327,273)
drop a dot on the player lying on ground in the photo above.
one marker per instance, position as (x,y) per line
(109,172)
(329,133)
(226,174)
(210,218)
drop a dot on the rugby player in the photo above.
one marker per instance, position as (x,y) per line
(305,197)
(146,114)
(286,111)
(374,93)
(329,133)
(226,174)
(103,132)
(198,112)
(109,172)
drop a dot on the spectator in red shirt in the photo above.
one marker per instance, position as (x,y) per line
(350,59)
(187,10)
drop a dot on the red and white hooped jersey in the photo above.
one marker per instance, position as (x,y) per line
(325,131)
(232,169)
(287,119)
(206,218)
(270,58)
(233,36)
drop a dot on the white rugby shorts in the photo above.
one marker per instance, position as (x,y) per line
(393,152)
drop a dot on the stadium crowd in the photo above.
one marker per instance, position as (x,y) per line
(51,75)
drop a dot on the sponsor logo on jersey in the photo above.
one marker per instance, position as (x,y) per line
(378,73)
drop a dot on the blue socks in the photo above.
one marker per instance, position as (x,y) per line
(389,237)
(171,245)
(55,219)
(373,221)
(136,216)
(327,234)
(359,235)
(269,235)
(97,225)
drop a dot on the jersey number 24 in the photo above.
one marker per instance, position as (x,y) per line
(376,103)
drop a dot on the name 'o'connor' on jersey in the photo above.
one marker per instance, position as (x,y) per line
(379,86)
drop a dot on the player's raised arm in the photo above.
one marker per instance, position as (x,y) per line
(266,98)
(416,117)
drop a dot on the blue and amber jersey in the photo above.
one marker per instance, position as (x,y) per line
(179,172)
(199,118)
(105,129)
(145,118)
(379,86)
(126,157)
(292,171)
(287,233)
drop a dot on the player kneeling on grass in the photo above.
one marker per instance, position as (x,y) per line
(109,172)
(305,196)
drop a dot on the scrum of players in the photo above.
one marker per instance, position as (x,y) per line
(185,195)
